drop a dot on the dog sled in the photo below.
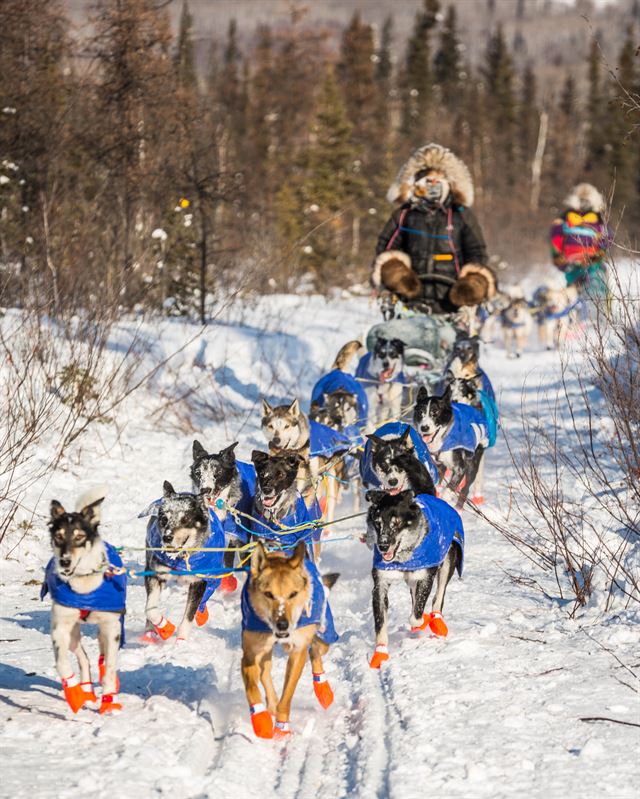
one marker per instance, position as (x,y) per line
(428,338)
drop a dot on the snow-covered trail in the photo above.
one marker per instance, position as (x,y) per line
(492,711)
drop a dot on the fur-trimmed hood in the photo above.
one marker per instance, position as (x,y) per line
(434,156)
(585,197)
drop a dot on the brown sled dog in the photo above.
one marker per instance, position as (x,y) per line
(279,590)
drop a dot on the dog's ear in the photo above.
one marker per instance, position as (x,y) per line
(423,395)
(398,343)
(258,559)
(449,377)
(266,408)
(298,556)
(91,513)
(259,457)
(293,461)
(375,440)
(198,451)
(446,394)
(167,489)
(374,495)
(295,407)
(406,439)
(228,454)
(56,510)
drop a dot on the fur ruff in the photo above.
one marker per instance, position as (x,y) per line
(476,283)
(434,156)
(585,197)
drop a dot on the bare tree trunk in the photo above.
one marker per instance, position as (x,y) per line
(355,237)
(47,252)
(536,164)
(203,263)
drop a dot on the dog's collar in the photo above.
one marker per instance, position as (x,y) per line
(295,450)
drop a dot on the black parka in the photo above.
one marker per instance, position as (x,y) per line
(439,242)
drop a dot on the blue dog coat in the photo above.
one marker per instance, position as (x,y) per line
(209,563)
(395,430)
(337,380)
(248,481)
(319,612)
(468,431)
(444,527)
(325,441)
(486,384)
(277,532)
(491,415)
(110,595)
(363,373)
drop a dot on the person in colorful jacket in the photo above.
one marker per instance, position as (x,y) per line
(580,239)
(431,252)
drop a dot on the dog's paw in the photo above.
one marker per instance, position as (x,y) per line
(261,721)
(228,584)
(322,690)
(419,624)
(150,637)
(437,625)
(74,693)
(109,704)
(380,654)
(282,730)
(202,616)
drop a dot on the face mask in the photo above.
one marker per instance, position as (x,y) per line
(430,190)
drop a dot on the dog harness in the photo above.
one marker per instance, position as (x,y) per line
(337,380)
(395,430)
(469,429)
(196,562)
(324,441)
(110,596)
(444,527)
(363,373)
(276,532)
(318,612)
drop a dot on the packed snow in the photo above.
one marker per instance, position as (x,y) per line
(492,711)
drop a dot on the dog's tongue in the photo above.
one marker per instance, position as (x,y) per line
(388,555)
(428,439)
(269,502)
(395,491)
(385,375)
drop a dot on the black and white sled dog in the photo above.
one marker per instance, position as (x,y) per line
(417,539)
(218,476)
(83,588)
(457,436)
(397,467)
(179,524)
(381,374)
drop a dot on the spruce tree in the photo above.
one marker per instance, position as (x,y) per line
(500,102)
(624,121)
(447,63)
(183,59)
(417,78)
(595,166)
(355,72)
(528,117)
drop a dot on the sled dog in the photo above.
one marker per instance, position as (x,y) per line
(180,526)
(456,435)
(517,324)
(283,601)
(418,539)
(555,314)
(86,583)
(381,374)
(219,476)
(396,465)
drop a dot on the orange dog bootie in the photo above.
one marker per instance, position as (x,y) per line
(322,689)
(261,721)
(425,623)
(437,625)
(87,687)
(380,654)
(165,629)
(74,693)
(109,704)
(202,617)
(229,584)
